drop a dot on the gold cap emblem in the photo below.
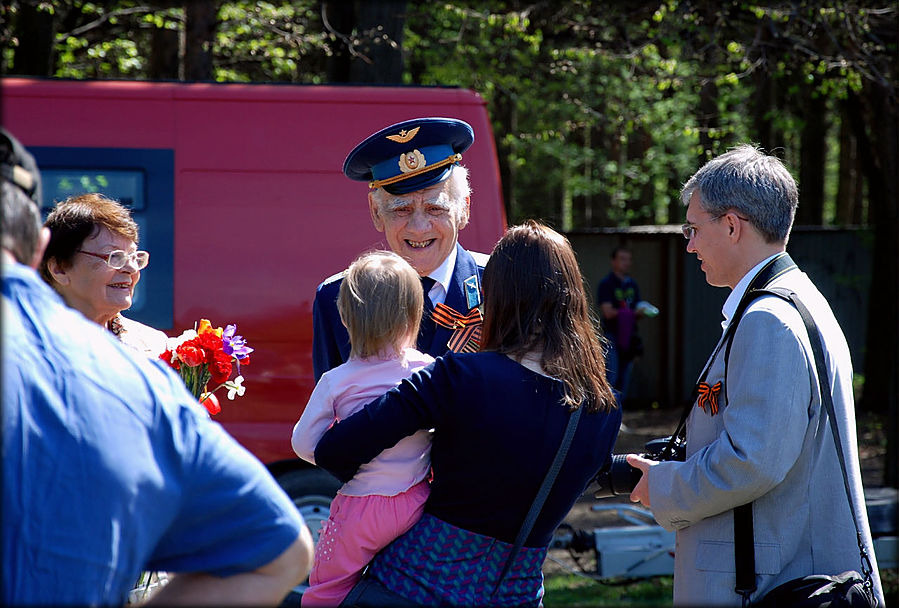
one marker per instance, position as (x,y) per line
(412,161)
(404,135)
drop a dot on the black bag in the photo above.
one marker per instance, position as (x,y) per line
(818,590)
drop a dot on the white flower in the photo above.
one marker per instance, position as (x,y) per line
(173,343)
(235,387)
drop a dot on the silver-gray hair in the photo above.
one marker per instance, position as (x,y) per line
(458,189)
(752,183)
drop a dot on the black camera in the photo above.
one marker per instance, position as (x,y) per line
(620,478)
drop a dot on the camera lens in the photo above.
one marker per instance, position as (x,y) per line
(617,479)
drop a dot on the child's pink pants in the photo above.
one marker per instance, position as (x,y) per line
(357,528)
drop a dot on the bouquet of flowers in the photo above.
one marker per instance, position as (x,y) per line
(206,355)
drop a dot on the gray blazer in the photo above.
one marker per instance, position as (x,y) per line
(766,442)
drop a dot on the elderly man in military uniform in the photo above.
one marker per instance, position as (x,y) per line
(419,197)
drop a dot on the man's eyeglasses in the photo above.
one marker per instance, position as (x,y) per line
(689,230)
(118,258)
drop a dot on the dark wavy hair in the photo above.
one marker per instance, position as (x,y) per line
(535,302)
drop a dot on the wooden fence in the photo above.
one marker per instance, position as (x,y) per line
(680,339)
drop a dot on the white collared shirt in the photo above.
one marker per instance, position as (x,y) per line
(442,276)
(733,300)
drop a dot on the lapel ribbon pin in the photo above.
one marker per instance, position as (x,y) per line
(466,336)
(708,397)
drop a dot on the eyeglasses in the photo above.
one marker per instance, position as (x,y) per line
(689,230)
(118,258)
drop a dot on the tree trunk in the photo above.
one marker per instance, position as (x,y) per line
(379,26)
(35,31)
(848,189)
(876,123)
(764,97)
(338,17)
(504,118)
(165,48)
(200,20)
(813,147)
(708,118)
(676,209)
(639,143)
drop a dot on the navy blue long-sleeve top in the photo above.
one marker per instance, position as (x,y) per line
(497,426)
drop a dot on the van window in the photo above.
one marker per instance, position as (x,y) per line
(140,179)
(125,186)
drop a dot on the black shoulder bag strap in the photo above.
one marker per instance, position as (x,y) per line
(776,267)
(744,542)
(542,493)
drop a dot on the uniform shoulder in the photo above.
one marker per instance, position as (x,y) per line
(332,282)
(479,258)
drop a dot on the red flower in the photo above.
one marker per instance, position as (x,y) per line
(167,357)
(191,354)
(212,404)
(245,360)
(219,367)
(210,343)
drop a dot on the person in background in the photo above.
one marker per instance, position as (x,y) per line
(419,197)
(499,416)
(109,468)
(759,433)
(380,302)
(93,262)
(617,297)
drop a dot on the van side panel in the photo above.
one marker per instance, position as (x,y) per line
(262,211)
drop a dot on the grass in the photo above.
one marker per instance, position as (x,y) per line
(571,591)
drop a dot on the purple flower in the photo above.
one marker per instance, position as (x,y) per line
(234,346)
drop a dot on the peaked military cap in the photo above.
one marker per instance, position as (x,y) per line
(410,155)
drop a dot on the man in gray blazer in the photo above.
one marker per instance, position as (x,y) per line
(758,432)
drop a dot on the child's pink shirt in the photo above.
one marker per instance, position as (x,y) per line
(343,391)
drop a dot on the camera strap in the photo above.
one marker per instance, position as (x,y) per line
(774,269)
(744,542)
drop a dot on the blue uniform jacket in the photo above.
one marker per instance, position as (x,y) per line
(330,341)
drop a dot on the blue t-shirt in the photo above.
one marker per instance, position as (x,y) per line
(618,292)
(110,466)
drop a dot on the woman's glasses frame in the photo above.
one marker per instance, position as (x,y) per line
(118,258)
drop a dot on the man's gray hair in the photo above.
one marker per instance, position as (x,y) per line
(21,222)
(458,189)
(755,185)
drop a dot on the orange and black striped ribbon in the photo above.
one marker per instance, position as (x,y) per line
(708,397)
(467,335)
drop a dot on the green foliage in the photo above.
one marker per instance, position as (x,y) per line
(269,41)
(581,108)
(600,110)
(596,106)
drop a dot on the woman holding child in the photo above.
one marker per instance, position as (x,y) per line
(498,416)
